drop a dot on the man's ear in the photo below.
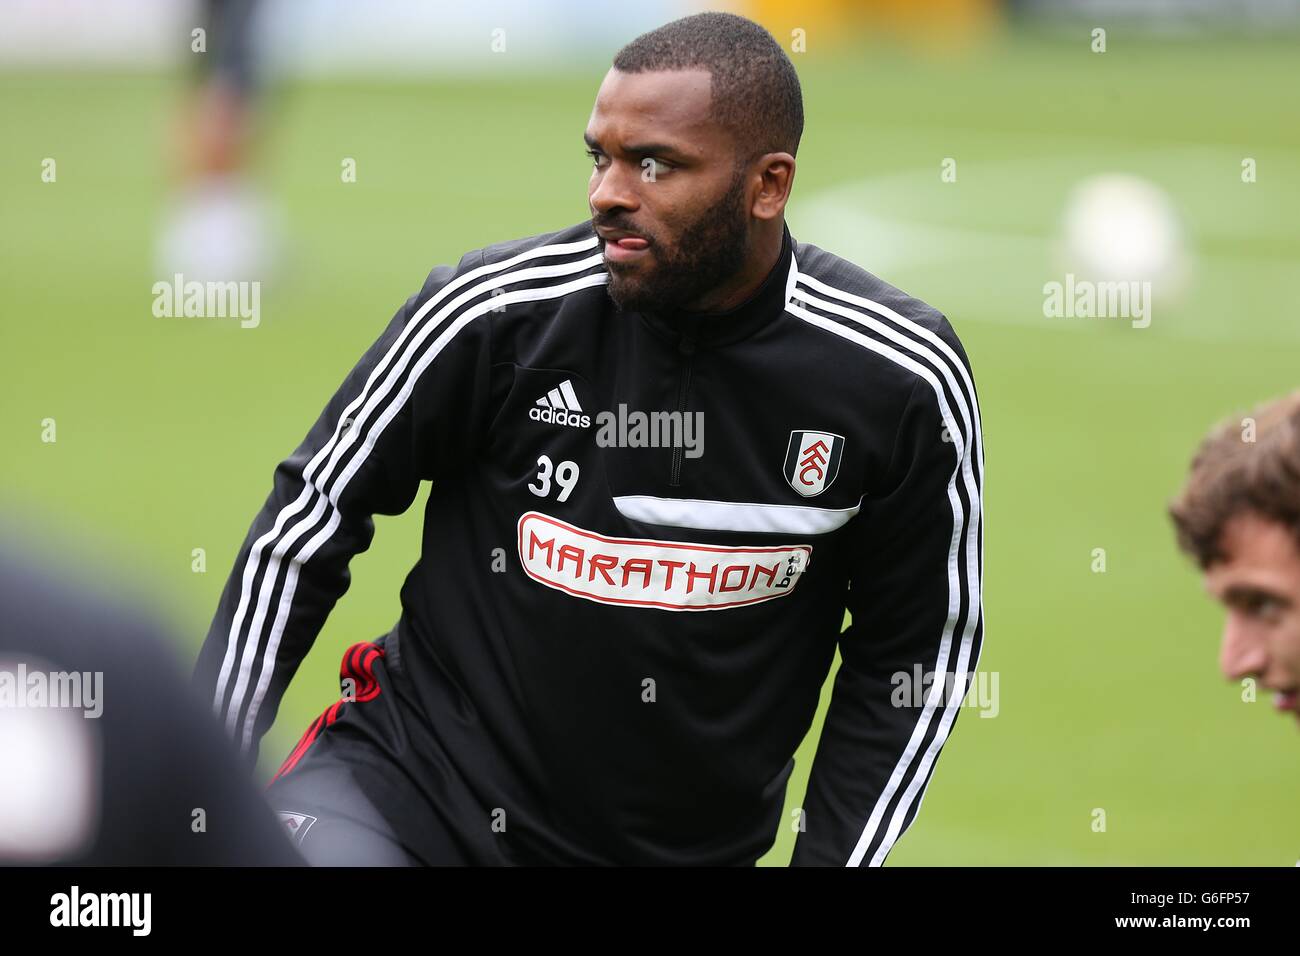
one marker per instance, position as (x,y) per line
(776,179)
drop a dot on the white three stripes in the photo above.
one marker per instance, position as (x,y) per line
(971,420)
(320,469)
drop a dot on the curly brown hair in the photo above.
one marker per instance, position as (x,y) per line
(1246,465)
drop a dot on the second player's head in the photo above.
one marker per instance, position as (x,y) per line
(693,138)
(1239,517)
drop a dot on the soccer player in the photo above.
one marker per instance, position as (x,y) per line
(218,226)
(1239,517)
(616,634)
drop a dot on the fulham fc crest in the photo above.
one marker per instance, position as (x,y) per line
(812,461)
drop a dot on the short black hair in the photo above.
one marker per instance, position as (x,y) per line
(755,88)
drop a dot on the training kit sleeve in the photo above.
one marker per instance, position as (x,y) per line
(410,409)
(914,598)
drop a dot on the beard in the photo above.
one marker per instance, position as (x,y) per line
(708,252)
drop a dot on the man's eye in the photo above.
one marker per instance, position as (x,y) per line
(1264,606)
(658,165)
(595,157)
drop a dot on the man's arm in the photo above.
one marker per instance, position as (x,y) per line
(915,601)
(407,411)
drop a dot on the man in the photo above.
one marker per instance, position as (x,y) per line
(218,226)
(610,649)
(1239,517)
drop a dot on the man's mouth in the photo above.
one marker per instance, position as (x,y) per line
(626,249)
(1285,700)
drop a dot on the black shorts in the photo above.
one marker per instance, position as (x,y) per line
(360,789)
(368,785)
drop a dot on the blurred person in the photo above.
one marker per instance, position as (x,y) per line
(610,648)
(219,225)
(90,775)
(1238,516)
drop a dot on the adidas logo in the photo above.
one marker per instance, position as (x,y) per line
(560,406)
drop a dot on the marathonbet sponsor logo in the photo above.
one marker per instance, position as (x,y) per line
(646,572)
(560,406)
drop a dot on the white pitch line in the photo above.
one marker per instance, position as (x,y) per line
(844,220)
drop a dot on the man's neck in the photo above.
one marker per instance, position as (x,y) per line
(746,282)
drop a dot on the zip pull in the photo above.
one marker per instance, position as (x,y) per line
(686,344)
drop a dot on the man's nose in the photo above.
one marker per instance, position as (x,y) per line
(615,188)
(1242,653)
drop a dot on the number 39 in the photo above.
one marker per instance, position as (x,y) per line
(566,476)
